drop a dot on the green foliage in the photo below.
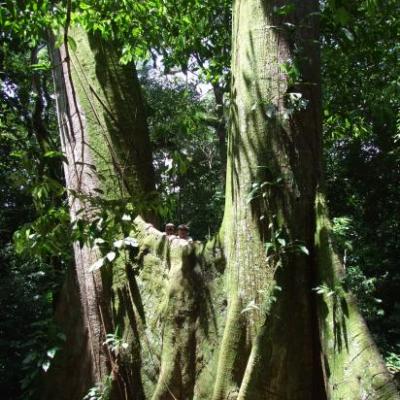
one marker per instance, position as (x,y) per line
(361,106)
(191,36)
(47,236)
(115,343)
(279,245)
(260,190)
(118,247)
(30,20)
(284,10)
(393,362)
(185,153)
(101,391)
(32,208)
(292,71)
(108,228)
(29,337)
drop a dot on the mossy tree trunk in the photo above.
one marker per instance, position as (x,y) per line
(270,339)
(81,180)
(237,317)
(108,155)
(282,340)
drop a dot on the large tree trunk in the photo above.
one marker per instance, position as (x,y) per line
(105,141)
(81,180)
(263,332)
(271,348)
(273,170)
(236,318)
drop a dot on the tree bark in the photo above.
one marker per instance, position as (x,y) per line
(81,180)
(105,140)
(111,95)
(220,126)
(273,152)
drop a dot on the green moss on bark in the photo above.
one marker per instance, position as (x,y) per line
(181,287)
(353,367)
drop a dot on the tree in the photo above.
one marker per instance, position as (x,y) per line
(103,133)
(234,318)
(275,145)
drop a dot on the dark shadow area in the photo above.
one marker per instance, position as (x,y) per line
(121,106)
(73,363)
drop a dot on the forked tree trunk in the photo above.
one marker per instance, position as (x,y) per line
(236,318)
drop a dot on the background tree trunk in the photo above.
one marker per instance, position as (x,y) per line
(353,367)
